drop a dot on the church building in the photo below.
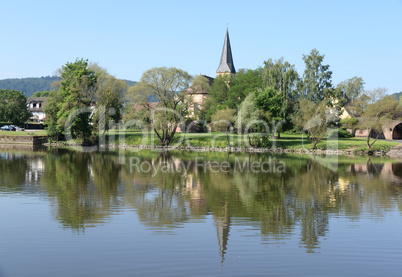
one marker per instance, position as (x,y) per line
(226,66)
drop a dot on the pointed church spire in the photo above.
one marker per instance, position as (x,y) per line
(226,65)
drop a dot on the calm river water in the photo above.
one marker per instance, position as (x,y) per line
(68,213)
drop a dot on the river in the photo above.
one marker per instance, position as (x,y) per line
(68,213)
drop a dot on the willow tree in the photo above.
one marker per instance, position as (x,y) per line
(169,86)
(379,115)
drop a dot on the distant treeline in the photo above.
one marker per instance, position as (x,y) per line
(28,85)
(398,95)
(31,85)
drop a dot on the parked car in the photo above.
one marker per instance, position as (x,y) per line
(17,128)
(8,128)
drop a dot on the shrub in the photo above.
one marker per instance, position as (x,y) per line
(222,120)
(340,133)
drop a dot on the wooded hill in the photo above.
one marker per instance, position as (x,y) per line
(30,85)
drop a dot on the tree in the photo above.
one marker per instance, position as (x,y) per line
(316,82)
(352,88)
(242,84)
(13,107)
(222,120)
(375,95)
(217,96)
(314,118)
(169,85)
(77,91)
(378,115)
(109,96)
(270,102)
(229,91)
(45,93)
(200,84)
(282,76)
(248,114)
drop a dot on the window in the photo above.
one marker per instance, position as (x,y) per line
(195,108)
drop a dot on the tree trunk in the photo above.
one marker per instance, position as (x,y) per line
(368,139)
(314,144)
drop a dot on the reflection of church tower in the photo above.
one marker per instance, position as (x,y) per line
(223,227)
(226,65)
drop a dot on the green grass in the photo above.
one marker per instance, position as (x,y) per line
(23,133)
(216,139)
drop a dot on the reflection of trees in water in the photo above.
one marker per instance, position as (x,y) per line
(13,170)
(89,187)
(84,184)
(158,198)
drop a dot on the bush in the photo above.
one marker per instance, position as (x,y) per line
(194,126)
(349,122)
(339,133)
(222,120)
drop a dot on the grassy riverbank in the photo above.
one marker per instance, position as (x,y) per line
(23,133)
(216,139)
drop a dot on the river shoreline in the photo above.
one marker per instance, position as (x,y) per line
(219,149)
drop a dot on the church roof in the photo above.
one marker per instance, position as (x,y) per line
(226,65)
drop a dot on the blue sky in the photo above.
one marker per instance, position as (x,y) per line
(358,38)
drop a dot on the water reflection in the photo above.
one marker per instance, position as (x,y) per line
(86,189)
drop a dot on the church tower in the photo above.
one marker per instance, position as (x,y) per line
(226,65)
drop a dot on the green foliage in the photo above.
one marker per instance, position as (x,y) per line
(349,122)
(273,108)
(222,120)
(77,91)
(270,101)
(282,76)
(258,140)
(247,116)
(29,86)
(229,91)
(316,82)
(200,84)
(379,115)
(241,85)
(13,107)
(44,93)
(339,133)
(169,85)
(314,118)
(352,87)
(109,96)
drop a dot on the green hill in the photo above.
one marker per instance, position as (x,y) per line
(398,95)
(30,85)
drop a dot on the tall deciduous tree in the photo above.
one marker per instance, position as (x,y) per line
(282,76)
(109,100)
(352,88)
(316,84)
(270,102)
(228,92)
(169,85)
(13,107)
(77,91)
